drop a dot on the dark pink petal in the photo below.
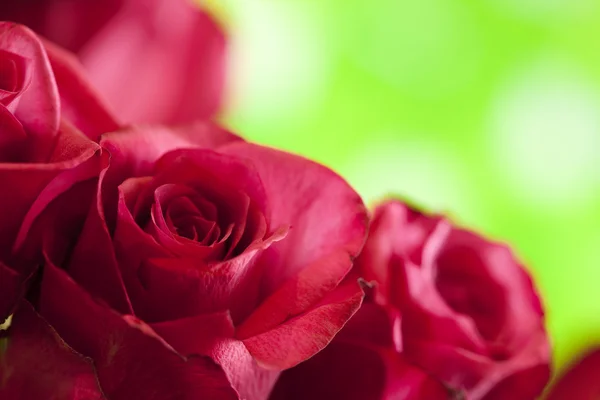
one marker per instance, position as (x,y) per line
(326,216)
(93,262)
(525,385)
(169,288)
(580,381)
(199,334)
(13,140)
(396,231)
(190,166)
(302,336)
(159,61)
(70,23)
(350,371)
(15,76)
(39,107)
(340,371)
(481,375)
(373,325)
(212,334)
(11,289)
(35,363)
(483,280)
(131,360)
(72,151)
(298,294)
(79,102)
(135,150)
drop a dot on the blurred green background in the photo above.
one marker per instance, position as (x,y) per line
(488,110)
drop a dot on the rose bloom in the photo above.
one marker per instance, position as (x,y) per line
(580,381)
(49,118)
(186,264)
(450,315)
(153,60)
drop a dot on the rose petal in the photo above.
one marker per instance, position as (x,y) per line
(198,334)
(480,375)
(173,288)
(212,334)
(169,53)
(298,294)
(13,138)
(525,385)
(372,324)
(351,371)
(70,23)
(27,181)
(91,162)
(11,288)
(301,337)
(384,243)
(38,364)
(14,78)
(135,150)
(580,381)
(325,214)
(79,101)
(93,261)
(131,360)
(39,107)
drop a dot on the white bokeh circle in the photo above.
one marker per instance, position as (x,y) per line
(545,133)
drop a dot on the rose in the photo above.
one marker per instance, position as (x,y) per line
(580,380)
(200,247)
(48,118)
(448,308)
(125,44)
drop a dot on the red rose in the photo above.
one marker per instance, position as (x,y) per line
(40,141)
(580,381)
(125,44)
(200,248)
(449,309)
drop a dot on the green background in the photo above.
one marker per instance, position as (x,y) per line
(488,110)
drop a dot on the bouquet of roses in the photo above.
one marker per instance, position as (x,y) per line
(146,252)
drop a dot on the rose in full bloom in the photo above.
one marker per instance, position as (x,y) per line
(205,263)
(49,119)
(580,381)
(153,60)
(450,315)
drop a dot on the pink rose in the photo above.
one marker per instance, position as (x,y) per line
(580,381)
(153,60)
(204,266)
(450,314)
(49,118)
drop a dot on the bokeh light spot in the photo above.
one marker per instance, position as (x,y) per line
(279,59)
(545,133)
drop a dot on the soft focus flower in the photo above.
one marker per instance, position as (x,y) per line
(153,60)
(581,381)
(450,314)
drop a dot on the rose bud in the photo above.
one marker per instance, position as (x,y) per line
(580,381)
(205,267)
(450,314)
(153,60)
